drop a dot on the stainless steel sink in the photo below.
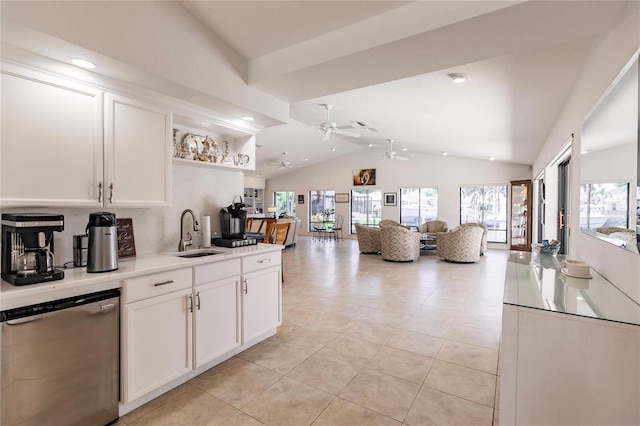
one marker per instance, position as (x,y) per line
(196,253)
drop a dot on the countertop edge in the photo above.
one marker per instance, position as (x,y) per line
(77,281)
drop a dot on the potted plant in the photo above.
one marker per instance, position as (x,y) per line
(328,213)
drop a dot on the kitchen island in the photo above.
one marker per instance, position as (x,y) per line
(570,351)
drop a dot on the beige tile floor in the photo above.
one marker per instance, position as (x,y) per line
(363,342)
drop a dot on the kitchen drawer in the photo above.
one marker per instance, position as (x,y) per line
(152,285)
(216,271)
(261,261)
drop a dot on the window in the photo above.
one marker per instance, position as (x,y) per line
(365,207)
(487,205)
(604,204)
(285,202)
(418,205)
(320,203)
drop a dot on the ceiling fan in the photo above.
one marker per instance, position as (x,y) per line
(285,164)
(329,127)
(391,154)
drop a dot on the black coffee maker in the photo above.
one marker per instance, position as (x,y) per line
(27,247)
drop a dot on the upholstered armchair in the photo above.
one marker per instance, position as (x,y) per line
(462,244)
(368,239)
(399,244)
(388,222)
(432,227)
(485,235)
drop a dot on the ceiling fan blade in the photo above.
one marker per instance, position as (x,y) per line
(348,133)
(401,158)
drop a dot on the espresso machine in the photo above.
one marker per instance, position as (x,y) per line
(27,247)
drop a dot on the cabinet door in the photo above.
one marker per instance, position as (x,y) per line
(217,319)
(261,302)
(520,215)
(156,342)
(51,141)
(137,153)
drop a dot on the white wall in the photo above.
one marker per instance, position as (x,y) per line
(445,173)
(157,229)
(606,60)
(158,37)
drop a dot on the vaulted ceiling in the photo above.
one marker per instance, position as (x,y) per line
(386,64)
(382,64)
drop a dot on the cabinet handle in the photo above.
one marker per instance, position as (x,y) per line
(164,283)
(189,303)
(198,300)
(246,286)
(111,193)
(264,260)
(99,192)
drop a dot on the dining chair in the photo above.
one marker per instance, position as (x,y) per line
(282,231)
(336,229)
(268,234)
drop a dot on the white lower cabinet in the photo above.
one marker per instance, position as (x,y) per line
(157,342)
(184,319)
(261,302)
(217,319)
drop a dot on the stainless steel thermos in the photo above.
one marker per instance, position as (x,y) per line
(103,242)
(80,250)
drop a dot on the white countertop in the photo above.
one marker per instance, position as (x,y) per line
(77,281)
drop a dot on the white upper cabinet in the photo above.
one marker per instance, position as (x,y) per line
(71,145)
(51,141)
(137,153)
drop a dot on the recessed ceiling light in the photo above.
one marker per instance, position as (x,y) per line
(83,63)
(404,148)
(370,145)
(305,159)
(584,151)
(443,153)
(492,158)
(247,118)
(333,149)
(457,77)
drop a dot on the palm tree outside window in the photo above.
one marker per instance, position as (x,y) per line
(486,204)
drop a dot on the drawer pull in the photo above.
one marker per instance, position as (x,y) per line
(246,286)
(164,283)
(264,260)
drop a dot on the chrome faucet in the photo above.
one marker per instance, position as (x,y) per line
(184,243)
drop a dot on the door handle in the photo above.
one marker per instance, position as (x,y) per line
(561,219)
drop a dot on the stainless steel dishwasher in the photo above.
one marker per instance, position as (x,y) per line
(60,361)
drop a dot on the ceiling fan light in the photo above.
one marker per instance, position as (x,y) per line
(457,77)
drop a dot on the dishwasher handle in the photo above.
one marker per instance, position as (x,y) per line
(41,309)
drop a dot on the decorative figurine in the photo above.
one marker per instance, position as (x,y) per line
(227,158)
